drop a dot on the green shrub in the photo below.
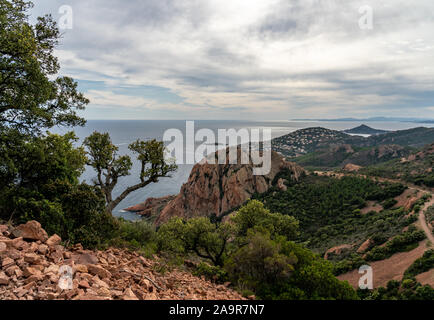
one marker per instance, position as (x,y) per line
(214,273)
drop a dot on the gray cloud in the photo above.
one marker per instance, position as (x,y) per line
(267,58)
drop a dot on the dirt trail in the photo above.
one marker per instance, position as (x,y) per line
(394,267)
(422,220)
(385,270)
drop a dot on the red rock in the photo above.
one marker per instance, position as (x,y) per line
(84,284)
(129,295)
(99,271)
(15,243)
(43,249)
(84,258)
(81,268)
(29,271)
(216,189)
(32,258)
(29,285)
(34,278)
(6,262)
(3,247)
(3,229)
(32,230)
(4,279)
(54,240)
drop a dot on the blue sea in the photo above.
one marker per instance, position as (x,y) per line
(127,131)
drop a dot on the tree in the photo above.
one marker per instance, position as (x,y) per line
(29,98)
(260,263)
(110,167)
(198,236)
(254,215)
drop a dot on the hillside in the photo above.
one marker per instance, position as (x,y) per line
(324,148)
(341,155)
(354,221)
(30,264)
(308,140)
(415,168)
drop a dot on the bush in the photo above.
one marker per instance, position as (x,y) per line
(136,235)
(213,273)
(421,265)
(404,242)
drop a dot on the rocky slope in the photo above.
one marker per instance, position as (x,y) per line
(217,189)
(31,265)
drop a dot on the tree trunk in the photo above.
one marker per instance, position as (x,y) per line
(113,204)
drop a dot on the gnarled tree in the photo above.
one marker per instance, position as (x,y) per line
(110,167)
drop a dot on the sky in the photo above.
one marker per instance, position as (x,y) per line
(248,59)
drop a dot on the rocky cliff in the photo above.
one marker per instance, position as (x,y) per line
(216,189)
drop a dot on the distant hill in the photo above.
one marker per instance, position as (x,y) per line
(372,119)
(364,129)
(320,147)
(308,140)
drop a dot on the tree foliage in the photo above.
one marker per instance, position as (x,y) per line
(253,250)
(110,167)
(30,99)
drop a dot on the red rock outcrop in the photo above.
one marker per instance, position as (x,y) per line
(216,189)
(33,271)
(365,246)
(151,206)
(337,250)
(352,167)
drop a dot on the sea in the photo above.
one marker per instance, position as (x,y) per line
(124,132)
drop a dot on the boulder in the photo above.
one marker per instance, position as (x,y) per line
(97,270)
(3,229)
(6,262)
(54,241)
(32,258)
(4,279)
(129,295)
(32,230)
(81,268)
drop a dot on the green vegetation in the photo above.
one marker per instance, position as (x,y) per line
(404,242)
(253,250)
(329,214)
(406,290)
(421,265)
(336,157)
(329,210)
(418,170)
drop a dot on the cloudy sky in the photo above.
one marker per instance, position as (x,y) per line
(249,59)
